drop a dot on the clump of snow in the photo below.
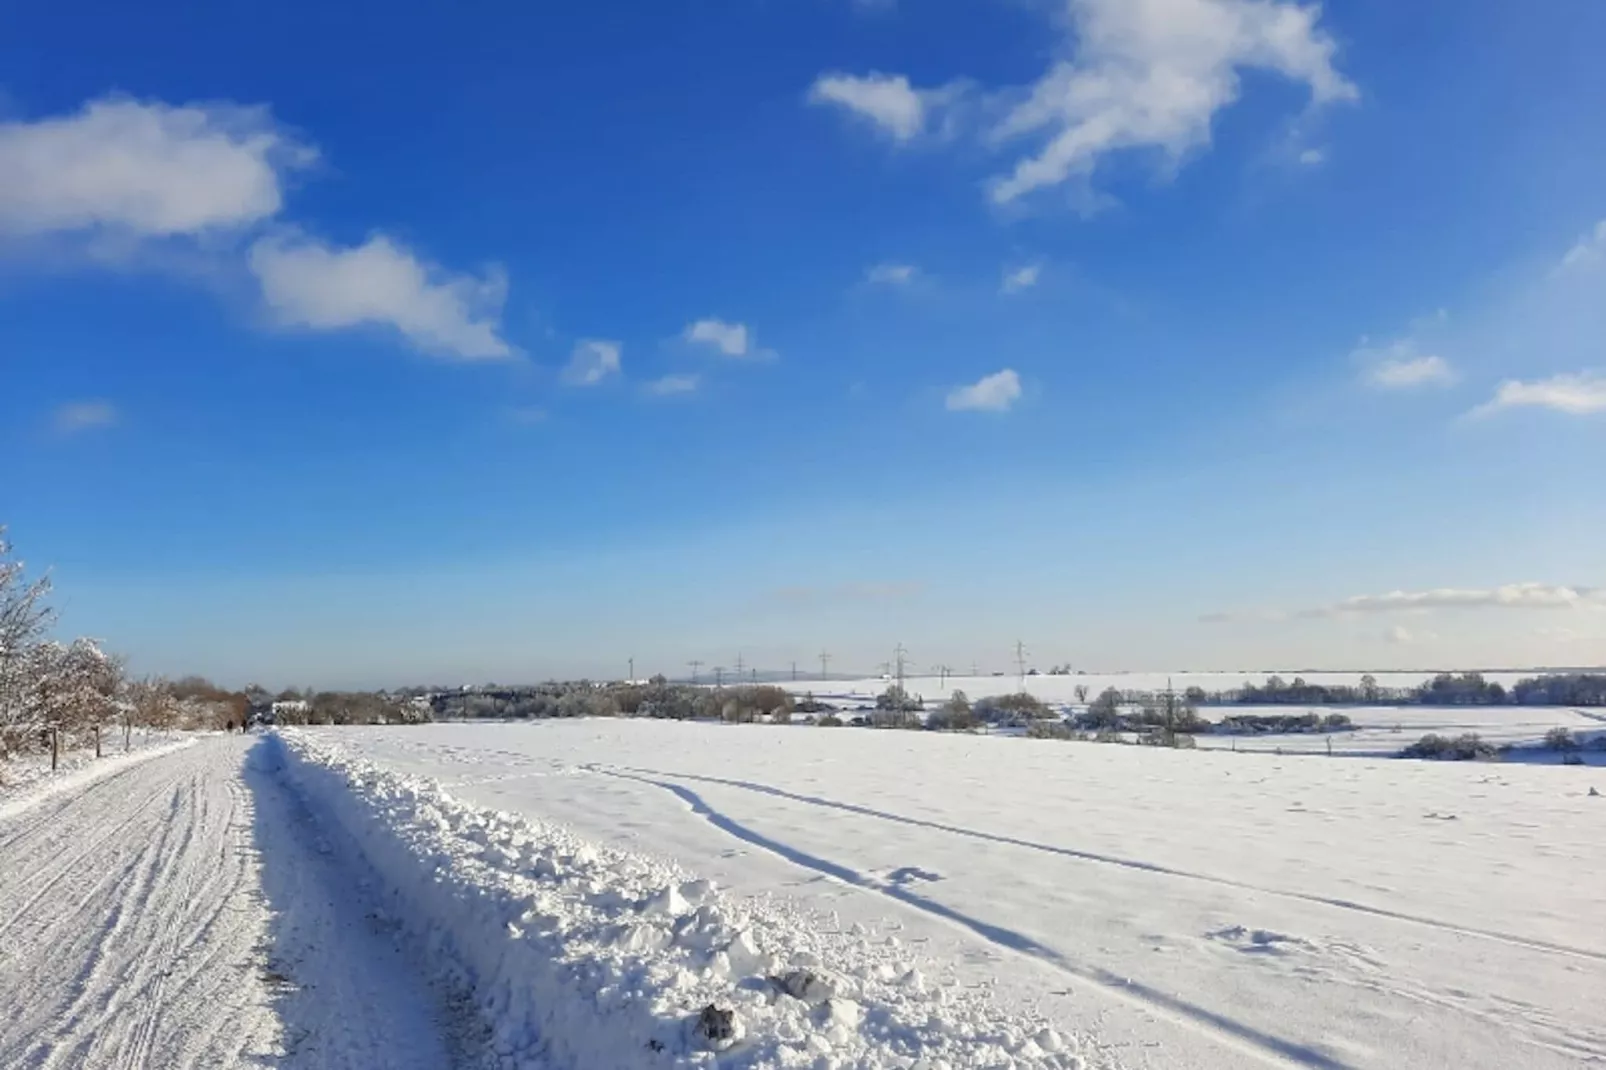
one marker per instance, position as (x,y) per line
(583,956)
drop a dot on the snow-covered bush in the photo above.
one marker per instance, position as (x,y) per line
(1560,739)
(1463,748)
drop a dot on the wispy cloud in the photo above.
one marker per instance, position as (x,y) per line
(1508,596)
(890,274)
(1149,75)
(306,283)
(592,362)
(1589,252)
(1312,157)
(1021,278)
(991,393)
(1154,75)
(730,339)
(1579,394)
(1400,635)
(148,169)
(1401,366)
(887,101)
(527,414)
(673,385)
(79,416)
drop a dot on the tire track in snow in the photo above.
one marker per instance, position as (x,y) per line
(1529,943)
(1258,1044)
(137,933)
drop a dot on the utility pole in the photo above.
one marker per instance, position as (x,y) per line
(794,672)
(825,660)
(1020,662)
(695,665)
(898,653)
(739,664)
(754,672)
(719,676)
(632,677)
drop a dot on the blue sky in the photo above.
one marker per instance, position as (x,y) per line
(359,344)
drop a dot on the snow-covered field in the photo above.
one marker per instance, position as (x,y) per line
(1155,908)
(1379,731)
(1382,731)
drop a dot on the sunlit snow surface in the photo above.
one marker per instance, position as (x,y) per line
(1178,909)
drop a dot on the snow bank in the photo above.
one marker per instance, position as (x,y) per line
(584,957)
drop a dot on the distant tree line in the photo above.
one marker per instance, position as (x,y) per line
(1445,689)
(657,698)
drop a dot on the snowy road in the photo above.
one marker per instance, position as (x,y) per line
(185,911)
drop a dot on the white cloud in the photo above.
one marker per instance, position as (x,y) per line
(1590,250)
(1399,366)
(1022,278)
(1399,635)
(309,284)
(78,416)
(671,385)
(1312,157)
(891,274)
(887,101)
(731,339)
(148,169)
(1153,74)
(1509,596)
(1577,394)
(592,361)
(991,393)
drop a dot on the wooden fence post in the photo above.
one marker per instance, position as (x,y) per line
(97,740)
(55,747)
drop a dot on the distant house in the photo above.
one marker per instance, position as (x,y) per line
(292,708)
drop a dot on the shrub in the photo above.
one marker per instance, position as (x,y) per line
(830,720)
(1335,722)
(952,716)
(1560,739)
(1008,709)
(1468,747)
(897,699)
(1048,730)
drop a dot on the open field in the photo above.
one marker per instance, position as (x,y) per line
(1180,909)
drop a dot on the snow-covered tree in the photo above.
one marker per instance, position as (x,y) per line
(24,618)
